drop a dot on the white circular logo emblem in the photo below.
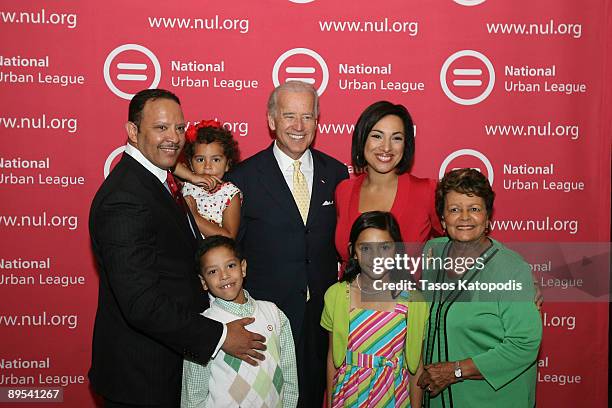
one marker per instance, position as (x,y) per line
(468,77)
(468,152)
(111,157)
(130,68)
(469,3)
(297,65)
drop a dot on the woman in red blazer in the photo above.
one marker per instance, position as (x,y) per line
(382,153)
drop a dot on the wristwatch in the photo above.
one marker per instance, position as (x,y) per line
(458,373)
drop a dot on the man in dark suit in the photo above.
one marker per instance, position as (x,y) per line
(287,227)
(150,296)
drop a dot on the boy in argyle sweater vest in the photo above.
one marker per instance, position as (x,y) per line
(227,381)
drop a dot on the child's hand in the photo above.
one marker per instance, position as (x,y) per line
(207,182)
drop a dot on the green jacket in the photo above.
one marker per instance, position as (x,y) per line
(335,319)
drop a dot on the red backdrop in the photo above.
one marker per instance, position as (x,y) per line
(517,89)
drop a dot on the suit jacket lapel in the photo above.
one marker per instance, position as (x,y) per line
(177,214)
(164,198)
(319,187)
(195,230)
(273,181)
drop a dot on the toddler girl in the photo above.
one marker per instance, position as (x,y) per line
(211,151)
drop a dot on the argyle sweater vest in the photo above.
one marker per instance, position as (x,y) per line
(235,383)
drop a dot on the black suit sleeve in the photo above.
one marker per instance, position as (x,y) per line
(126,238)
(344,174)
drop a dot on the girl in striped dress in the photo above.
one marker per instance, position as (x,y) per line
(374,357)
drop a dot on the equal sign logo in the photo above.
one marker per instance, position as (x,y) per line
(467,72)
(301,70)
(472,77)
(130,68)
(134,67)
(471,158)
(301,64)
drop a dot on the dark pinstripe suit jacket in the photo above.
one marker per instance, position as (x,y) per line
(150,296)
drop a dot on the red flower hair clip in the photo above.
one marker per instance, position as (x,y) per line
(192,132)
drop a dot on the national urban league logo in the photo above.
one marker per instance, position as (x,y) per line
(469,3)
(111,158)
(301,64)
(461,162)
(467,77)
(130,68)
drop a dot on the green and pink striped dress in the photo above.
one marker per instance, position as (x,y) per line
(373,372)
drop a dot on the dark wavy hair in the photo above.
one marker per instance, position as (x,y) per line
(372,219)
(465,181)
(215,241)
(209,134)
(370,116)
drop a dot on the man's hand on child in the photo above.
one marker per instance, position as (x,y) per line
(241,343)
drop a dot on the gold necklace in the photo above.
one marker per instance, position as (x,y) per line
(364,291)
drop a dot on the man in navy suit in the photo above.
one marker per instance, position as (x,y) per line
(150,295)
(289,246)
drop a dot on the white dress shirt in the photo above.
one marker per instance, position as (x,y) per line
(285,163)
(162,175)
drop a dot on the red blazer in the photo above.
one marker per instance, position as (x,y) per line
(413,208)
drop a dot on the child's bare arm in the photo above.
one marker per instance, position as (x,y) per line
(182,171)
(231,217)
(207,182)
(209,228)
(416,392)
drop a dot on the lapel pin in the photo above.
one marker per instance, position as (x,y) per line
(322,181)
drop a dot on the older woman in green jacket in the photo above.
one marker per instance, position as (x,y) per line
(484,330)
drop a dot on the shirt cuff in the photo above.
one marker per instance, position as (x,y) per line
(221,341)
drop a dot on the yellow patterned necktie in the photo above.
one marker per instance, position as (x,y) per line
(300,191)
